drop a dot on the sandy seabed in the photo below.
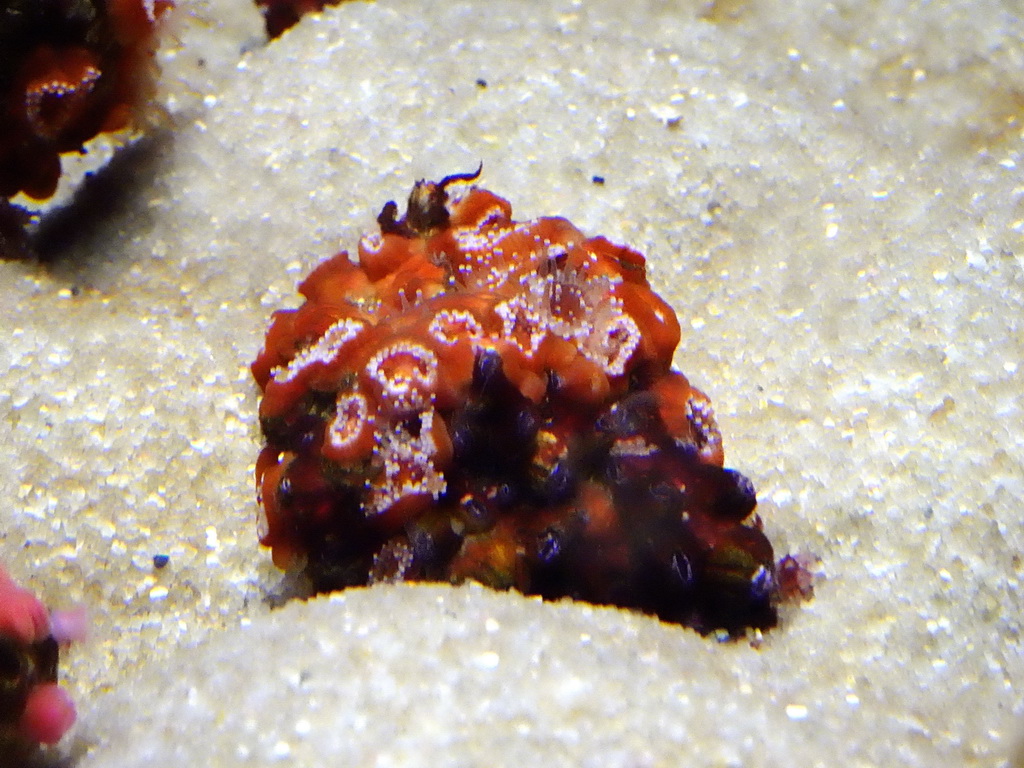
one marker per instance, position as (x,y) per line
(831,197)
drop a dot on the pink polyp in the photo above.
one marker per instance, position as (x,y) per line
(69,626)
(49,714)
(22,616)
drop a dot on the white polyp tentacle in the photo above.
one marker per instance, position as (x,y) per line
(408,461)
(323,351)
(411,386)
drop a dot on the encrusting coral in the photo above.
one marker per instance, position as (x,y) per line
(34,709)
(480,398)
(69,70)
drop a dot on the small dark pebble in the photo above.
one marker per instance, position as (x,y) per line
(599,180)
(160,561)
(481,83)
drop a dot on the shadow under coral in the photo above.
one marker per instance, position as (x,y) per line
(68,238)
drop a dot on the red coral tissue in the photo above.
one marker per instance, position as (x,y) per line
(69,70)
(481,398)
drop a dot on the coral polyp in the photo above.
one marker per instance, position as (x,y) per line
(481,398)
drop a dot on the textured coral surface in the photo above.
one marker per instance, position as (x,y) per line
(69,70)
(480,398)
(33,708)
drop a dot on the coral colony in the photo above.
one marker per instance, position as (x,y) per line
(481,398)
(33,708)
(69,70)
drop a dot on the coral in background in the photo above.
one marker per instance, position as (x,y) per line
(33,708)
(480,398)
(69,70)
(281,15)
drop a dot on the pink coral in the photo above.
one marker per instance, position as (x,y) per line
(33,708)
(490,399)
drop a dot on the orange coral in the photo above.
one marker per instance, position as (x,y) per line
(69,70)
(480,398)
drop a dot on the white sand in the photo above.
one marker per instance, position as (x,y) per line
(830,195)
